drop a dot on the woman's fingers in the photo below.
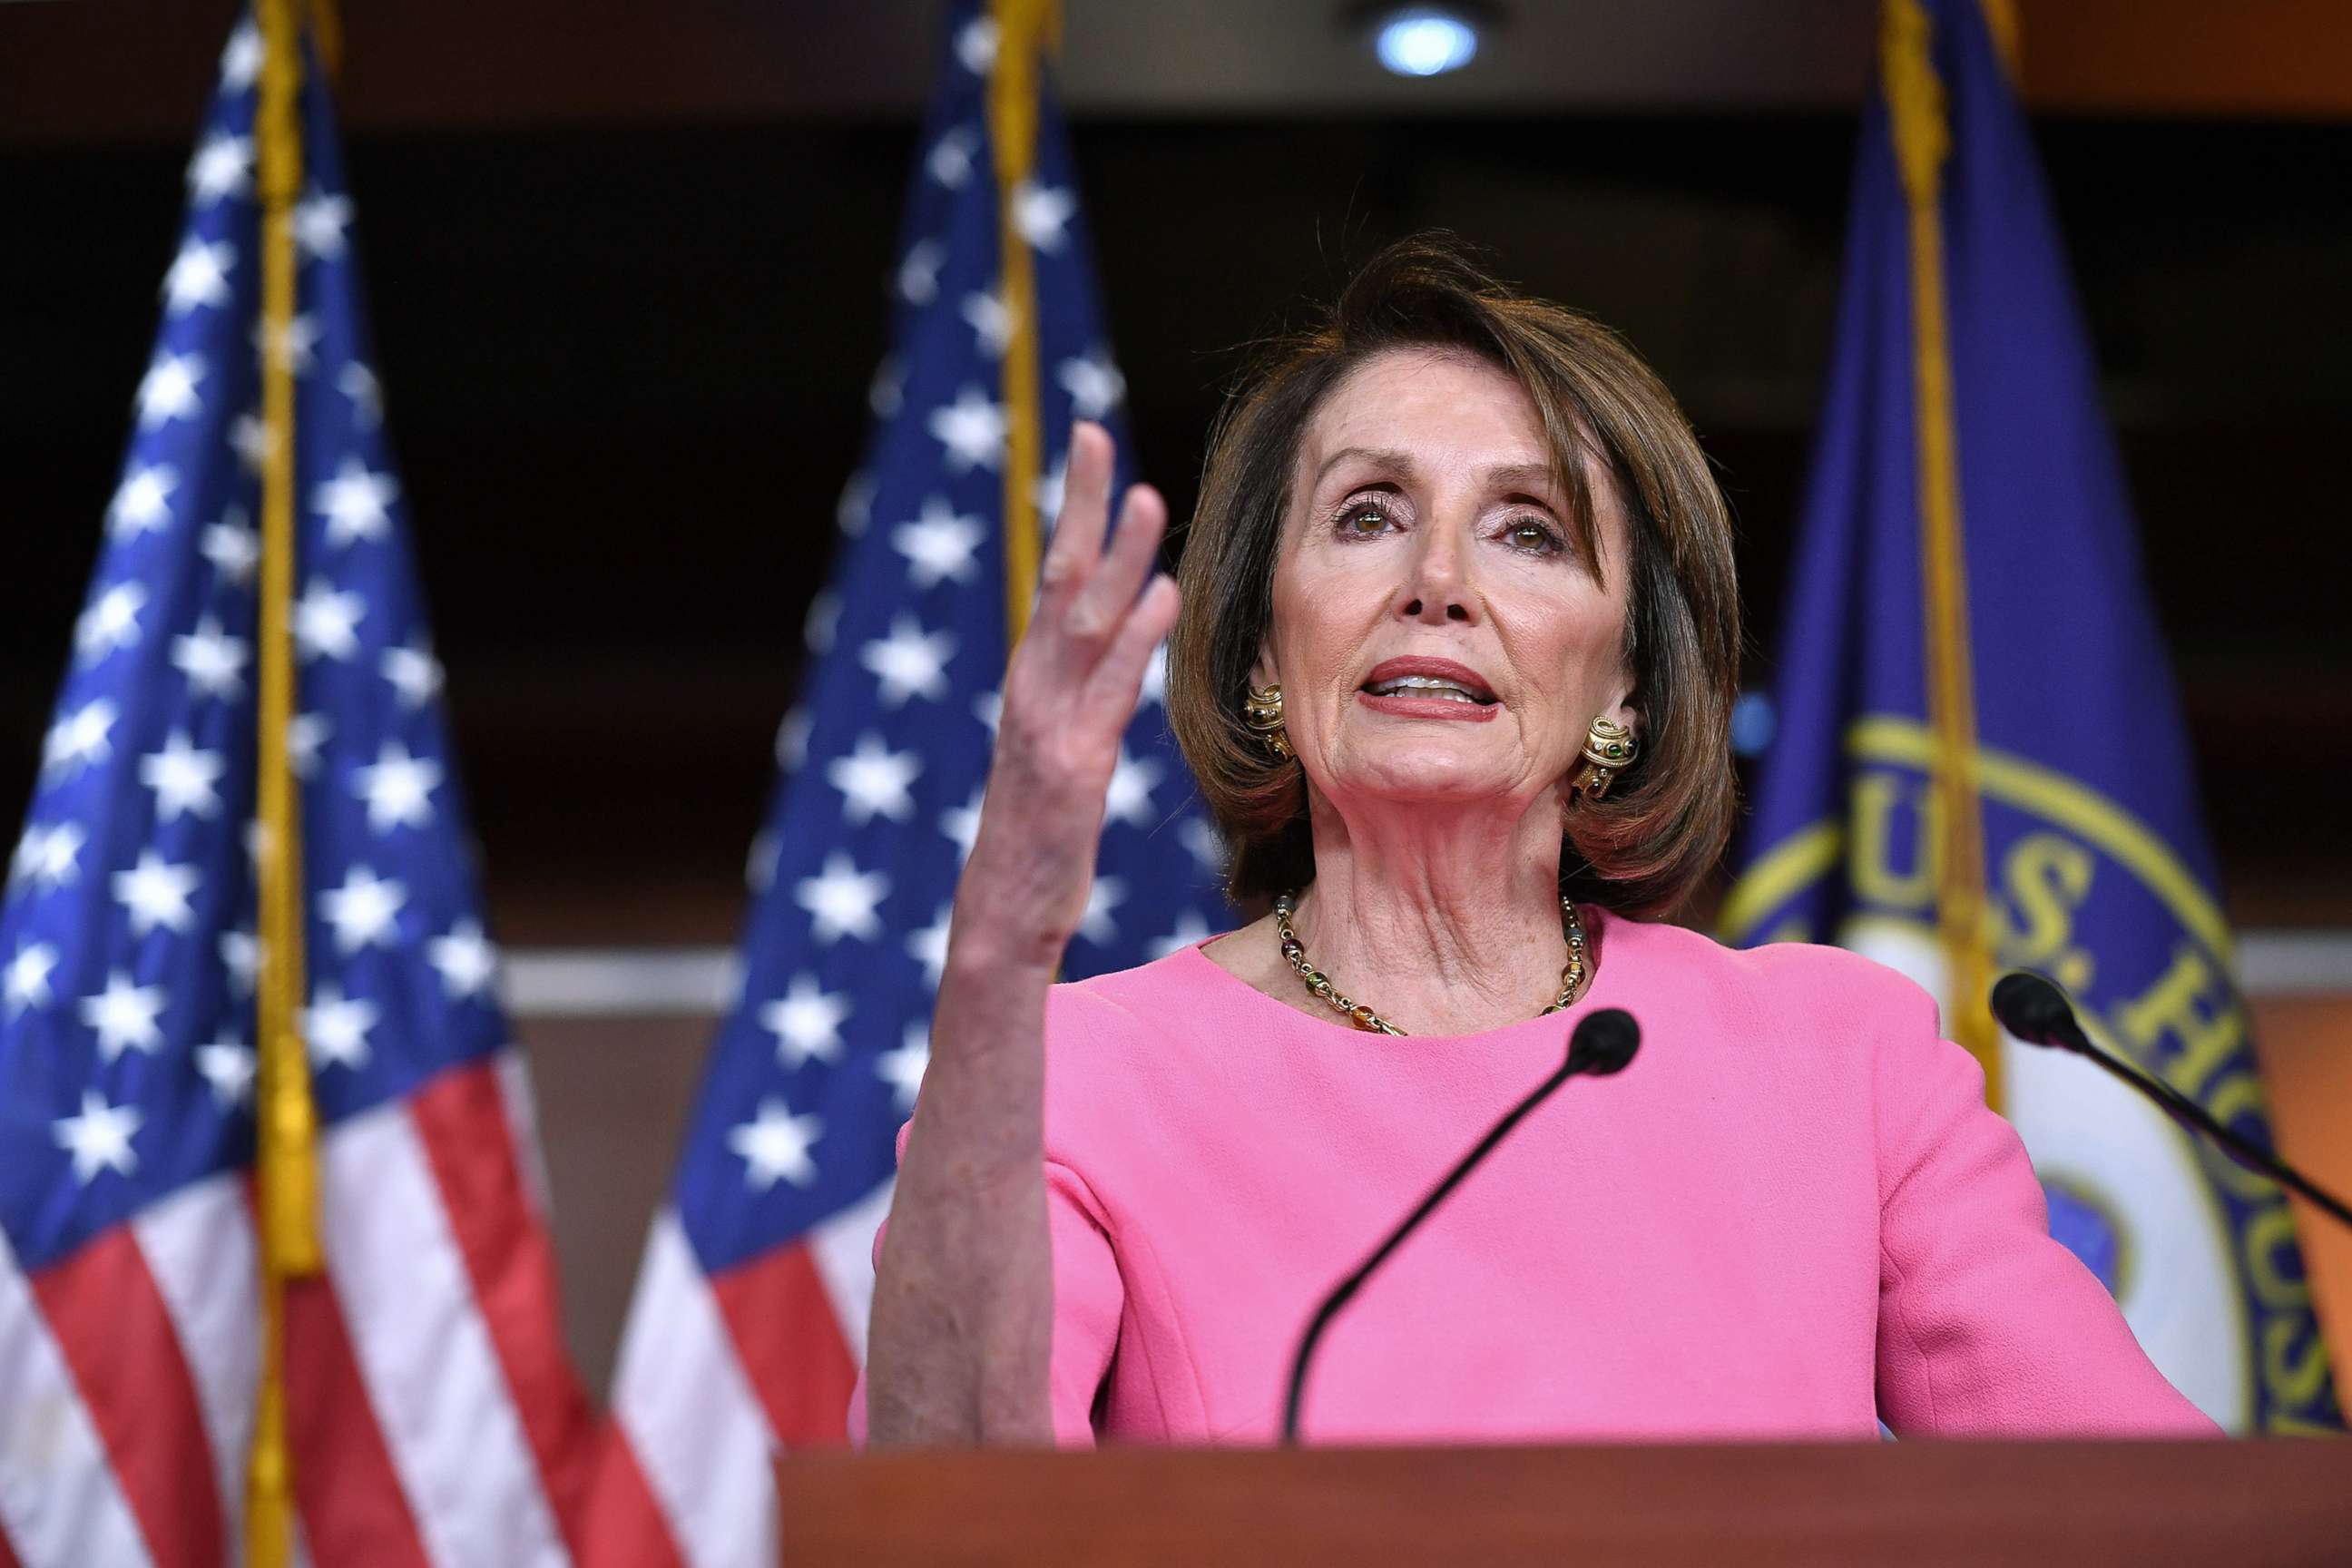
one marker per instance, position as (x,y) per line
(1086,507)
(1095,626)
(1111,690)
(1101,606)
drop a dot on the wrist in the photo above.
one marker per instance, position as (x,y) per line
(999,929)
(995,953)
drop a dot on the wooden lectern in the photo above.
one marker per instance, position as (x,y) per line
(1920,1505)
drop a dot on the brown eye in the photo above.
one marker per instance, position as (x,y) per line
(1364,520)
(1527,533)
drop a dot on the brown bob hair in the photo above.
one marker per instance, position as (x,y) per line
(1642,848)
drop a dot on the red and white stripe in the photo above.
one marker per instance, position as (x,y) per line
(717,1375)
(199,1244)
(431,1412)
(62,1498)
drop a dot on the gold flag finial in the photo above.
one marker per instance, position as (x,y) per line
(2008,37)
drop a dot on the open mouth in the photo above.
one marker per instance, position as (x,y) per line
(1436,686)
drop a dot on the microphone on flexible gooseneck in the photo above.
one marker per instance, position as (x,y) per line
(2036,1010)
(1603,1042)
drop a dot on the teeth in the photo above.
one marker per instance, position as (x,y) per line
(1422,685)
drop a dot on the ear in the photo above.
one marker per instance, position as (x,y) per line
(1626,710)
(1265,669)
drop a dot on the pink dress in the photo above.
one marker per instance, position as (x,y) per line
(1791,1216)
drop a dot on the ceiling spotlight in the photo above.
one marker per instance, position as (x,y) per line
(1424,40)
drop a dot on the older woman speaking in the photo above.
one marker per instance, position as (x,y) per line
(1454,667)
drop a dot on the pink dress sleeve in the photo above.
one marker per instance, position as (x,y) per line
(1986,1326)
(1088,1298)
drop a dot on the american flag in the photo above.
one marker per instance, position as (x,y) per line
(749,1318)
(433,1417)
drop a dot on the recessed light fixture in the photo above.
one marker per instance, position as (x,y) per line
(1424,40)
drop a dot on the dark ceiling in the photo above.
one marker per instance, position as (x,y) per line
(103,70)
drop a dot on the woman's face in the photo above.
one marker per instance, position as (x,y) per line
(1438,636)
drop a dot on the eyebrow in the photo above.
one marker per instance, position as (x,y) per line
(1386,457)
(1531,474)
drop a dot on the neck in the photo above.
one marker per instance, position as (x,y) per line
(1442,921)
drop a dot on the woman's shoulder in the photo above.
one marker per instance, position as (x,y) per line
(1140,999)
(1134,1050)
(1794,980)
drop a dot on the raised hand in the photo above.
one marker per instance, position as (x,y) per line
(1069,691)
(963,1298)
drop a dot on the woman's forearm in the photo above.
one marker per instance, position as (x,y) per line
(962,1331)
(962,1319)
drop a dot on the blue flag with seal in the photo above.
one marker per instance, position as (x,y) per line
(1980,760)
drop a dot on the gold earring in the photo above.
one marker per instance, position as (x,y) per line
(1262,714)
(1609,747)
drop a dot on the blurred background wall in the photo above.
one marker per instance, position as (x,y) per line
(627,266)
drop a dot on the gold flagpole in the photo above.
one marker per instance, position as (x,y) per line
(1023,27)
(1923,140)
(286,1128)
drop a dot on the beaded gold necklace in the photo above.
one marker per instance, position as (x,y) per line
(1573,976)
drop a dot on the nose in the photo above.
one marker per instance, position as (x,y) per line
(1436,587)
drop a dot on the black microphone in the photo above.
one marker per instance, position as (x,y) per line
(2033,1007)
(1603,1042)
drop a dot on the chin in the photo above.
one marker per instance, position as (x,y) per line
(1429,771)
